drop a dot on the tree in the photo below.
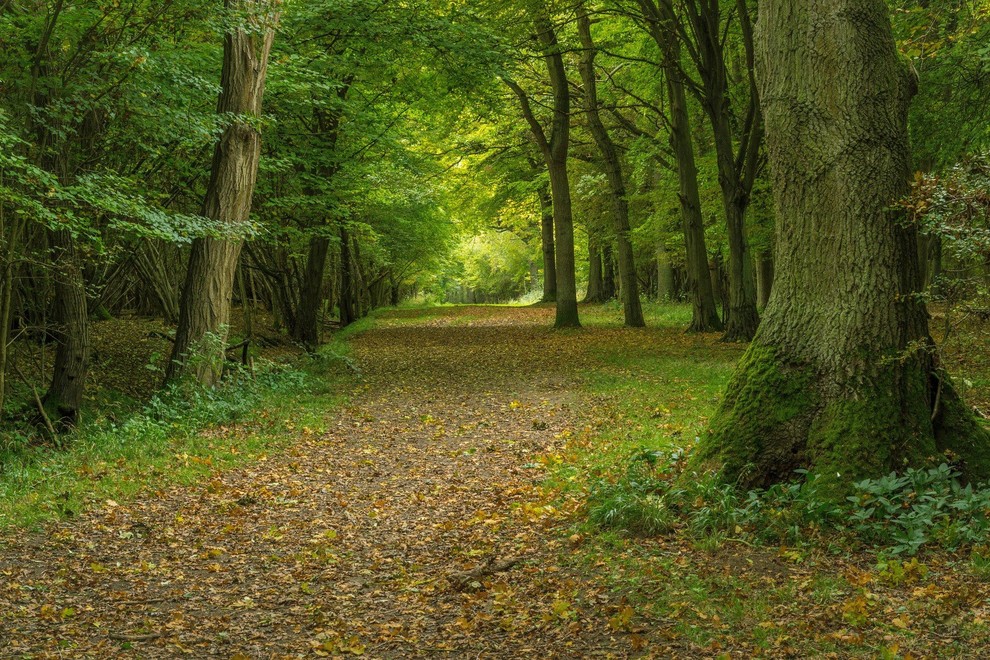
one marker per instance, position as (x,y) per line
(205,308)
(736,170)
(628,282)
(841,378)
(554,148)
(705,314)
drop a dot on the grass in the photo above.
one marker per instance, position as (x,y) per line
(654,395)
(642,393)
(177,438)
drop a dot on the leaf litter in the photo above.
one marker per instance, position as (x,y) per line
(416,522)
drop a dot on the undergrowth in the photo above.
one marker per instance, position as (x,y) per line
(178,436)
(898,514)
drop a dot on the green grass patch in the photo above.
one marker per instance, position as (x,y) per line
(179,437)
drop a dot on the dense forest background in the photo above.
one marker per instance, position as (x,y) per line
(448,152)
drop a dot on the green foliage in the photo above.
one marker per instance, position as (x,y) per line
(492,267)
(159,443)
(635,502)
(896,514)
(920,507)
(946,42)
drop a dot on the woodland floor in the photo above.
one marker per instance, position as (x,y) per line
(355,540)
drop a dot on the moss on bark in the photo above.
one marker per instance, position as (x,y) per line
(778,417)
(754,435)
(960,435)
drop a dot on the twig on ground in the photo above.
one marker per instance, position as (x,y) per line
(462,580)
(124,637)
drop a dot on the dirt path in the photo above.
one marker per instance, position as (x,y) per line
(350,542)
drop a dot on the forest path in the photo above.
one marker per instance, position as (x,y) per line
(350,541)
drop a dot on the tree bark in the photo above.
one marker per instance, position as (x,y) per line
(842,377)
(311,296)
(629,286)
(546,236)
(595,282)
(704,316)
(204,311)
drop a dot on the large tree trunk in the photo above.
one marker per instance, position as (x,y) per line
(699,284)
(546,236)
(594,293)
(204,312)
(628,284)
(841,378)
(311,295)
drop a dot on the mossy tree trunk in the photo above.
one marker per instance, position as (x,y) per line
(841,378)
(204,312)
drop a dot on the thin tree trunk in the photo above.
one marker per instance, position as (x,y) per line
(348,314)
(245,305)
(665,276)
(843,377)
(595,283)
(546,236)
(204,313)
(704,316)
(764,278)
(10,232)
(629,286)
(609,288)
(311,296)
